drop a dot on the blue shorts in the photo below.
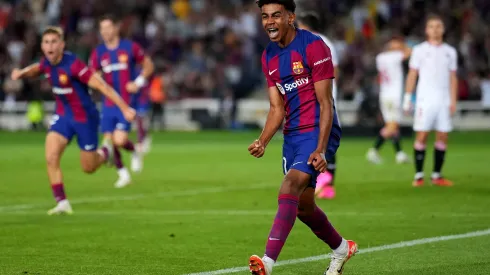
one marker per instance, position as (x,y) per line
(86,132)
(113,119)
(297,149)
(141,103)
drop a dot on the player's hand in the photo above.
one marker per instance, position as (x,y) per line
(129,114)
(16,74)
(317,159)
(257,149)
(452,108)
(131,87)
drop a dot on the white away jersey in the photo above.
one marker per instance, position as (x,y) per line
(335,61)
(390,68)
(435,64)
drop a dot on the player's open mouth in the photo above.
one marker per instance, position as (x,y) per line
(273,32)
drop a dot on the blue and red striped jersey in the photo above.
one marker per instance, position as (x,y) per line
(69,80)
(293,70)
(118,66)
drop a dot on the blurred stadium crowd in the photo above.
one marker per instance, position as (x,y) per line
(212,48)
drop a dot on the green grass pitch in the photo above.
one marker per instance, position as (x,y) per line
(203,204)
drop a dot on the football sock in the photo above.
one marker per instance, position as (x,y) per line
(283,223)
(331,167)
(323,229)
(439,155)
(104,152)
(117,158)
(128,146)
(419,157)
(58,191)
(141,129)
(396,143)
(379,142)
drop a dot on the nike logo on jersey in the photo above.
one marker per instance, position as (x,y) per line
(271,72)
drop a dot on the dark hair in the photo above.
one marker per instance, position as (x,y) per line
(110,17)
(434,16)
(54,30)
(288,4)
(312,20)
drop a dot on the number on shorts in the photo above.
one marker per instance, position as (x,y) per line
(284,163)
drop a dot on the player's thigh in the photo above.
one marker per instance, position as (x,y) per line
(120,137)
(301,148)
(424,118)
(444,121)
(55,145)
(295,182)
(87,134)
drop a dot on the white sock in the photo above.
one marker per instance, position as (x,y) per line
(419,175)
(342,249)
(436,175)
(269,263)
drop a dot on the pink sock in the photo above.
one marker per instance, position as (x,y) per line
(117,158)
(129,146)
(283,223)
(58,191)
(141,129)
(323,229)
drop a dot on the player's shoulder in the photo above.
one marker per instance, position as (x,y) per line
(270,51)
(307,37)
(449,48)
(389,55)
(70,57)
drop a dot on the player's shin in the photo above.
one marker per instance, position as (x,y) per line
(419,157)
(319,224)
(140,121)
(283,223)
(439,155)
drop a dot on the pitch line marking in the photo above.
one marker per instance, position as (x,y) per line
(362,251)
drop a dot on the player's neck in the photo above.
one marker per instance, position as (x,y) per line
(57,60)
(288,38)
(435,42)
(111,45)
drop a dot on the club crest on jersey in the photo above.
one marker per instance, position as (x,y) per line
(123,58)
(298,67)
(63,78)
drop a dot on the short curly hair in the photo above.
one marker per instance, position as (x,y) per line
(288,4)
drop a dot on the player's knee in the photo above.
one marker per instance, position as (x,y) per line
(291,186)
(120,140)
(88,168)
(52,160)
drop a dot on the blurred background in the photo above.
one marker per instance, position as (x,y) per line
(207,55)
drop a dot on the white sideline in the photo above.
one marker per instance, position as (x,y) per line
(193,192)
(366,250)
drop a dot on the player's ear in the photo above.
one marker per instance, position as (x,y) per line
(292,18)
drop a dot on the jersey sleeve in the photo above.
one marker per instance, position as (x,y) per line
(81,71)
(138,52)
(453,63)
(42,65)
(93,61)
(265,70)
(415,59)
(319,60)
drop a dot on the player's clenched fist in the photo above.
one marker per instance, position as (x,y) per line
(129,114)
(256,149)
(131,87)
(16,74)
(317,159)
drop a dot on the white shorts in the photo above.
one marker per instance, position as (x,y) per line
(432,117)
(390,109)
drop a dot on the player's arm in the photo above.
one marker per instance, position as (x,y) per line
(275,116)
(407,51)
(454,81)
(147,69)
(323,91)
(33,70)
(411,80)
(96,82)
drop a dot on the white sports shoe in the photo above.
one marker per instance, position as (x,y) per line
(136,162)
(260,266)
(373,156)
(63,207)
(124,178)
(146,145)
(401,157)
(337,262)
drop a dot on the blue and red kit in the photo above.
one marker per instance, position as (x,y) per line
(293,70)
(76,113)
